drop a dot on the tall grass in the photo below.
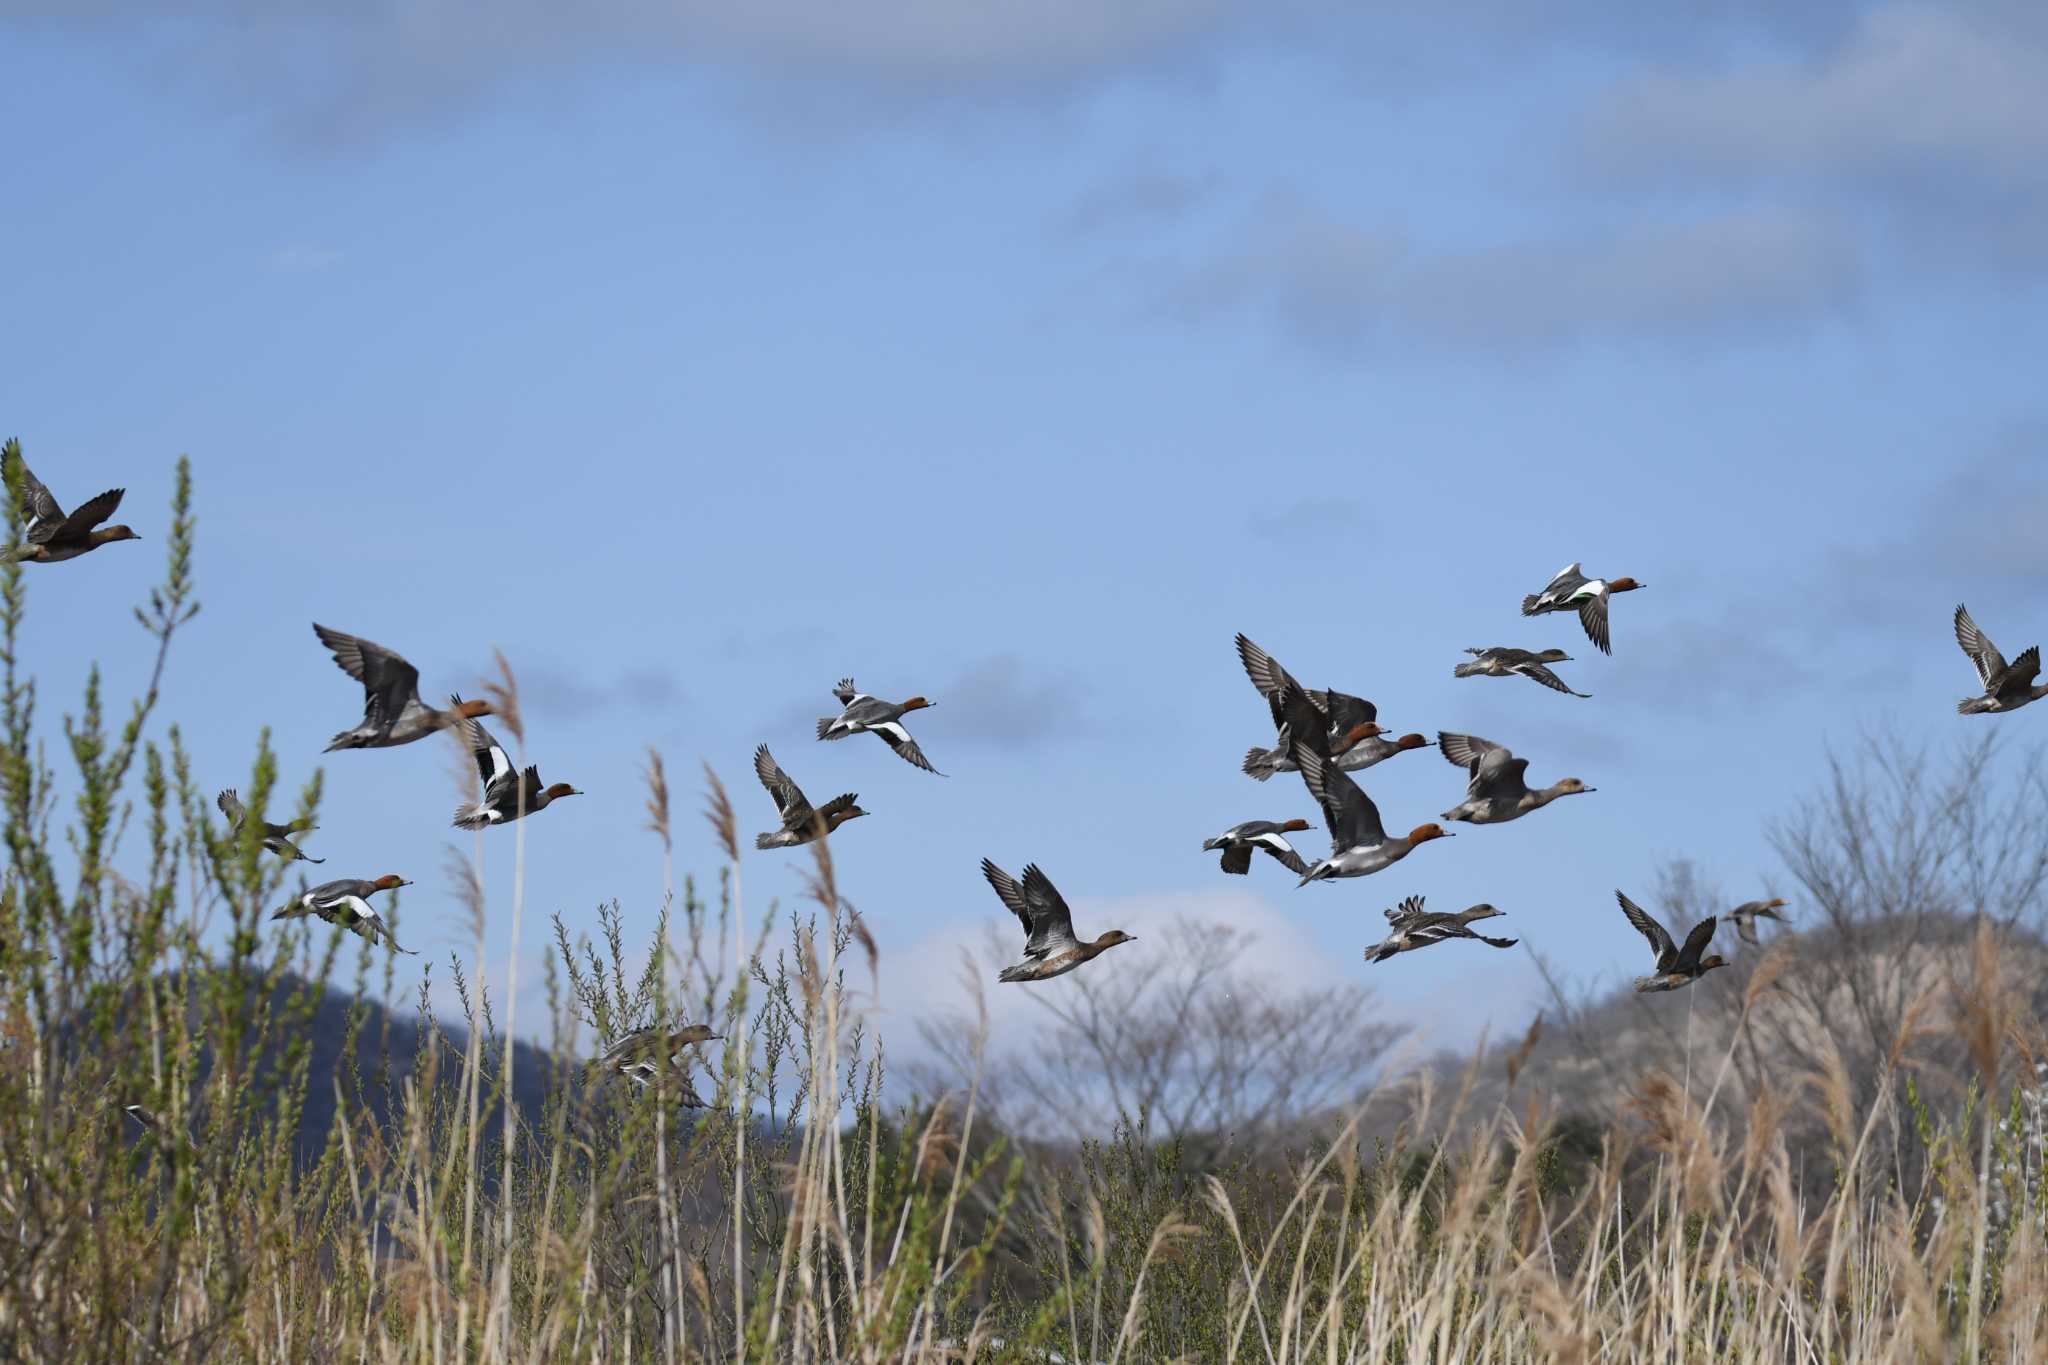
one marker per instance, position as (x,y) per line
(798,1217)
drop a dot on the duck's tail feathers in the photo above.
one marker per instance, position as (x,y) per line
(1379,952)
(471,817)
(1468,670)
(1529,604)
(765,841)
(1012,974)
(345,740)
(1258,763)
(825,724)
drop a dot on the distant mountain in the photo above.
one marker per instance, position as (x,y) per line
(533,1069)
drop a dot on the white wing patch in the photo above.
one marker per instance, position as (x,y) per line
(892,729)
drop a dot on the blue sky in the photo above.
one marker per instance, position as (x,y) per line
(699,355)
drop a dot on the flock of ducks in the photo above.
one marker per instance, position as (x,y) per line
(1324,735)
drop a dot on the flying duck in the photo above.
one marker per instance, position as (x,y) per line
(347,903)
(507,795)
(869,715)
(275,837)
(1748,913)
(1497,790)
(1050,948)
(2007,686)
(1344,719)
(1498,661)
(1239,840)
(52,535)
(1676,966)
(643,1054)
(1364,752)
(1573,591)
(1410,928)
(392,710)
(800,823)
(1359,844)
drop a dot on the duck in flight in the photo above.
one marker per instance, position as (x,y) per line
(1050,948)
(1497,790)
(1748,913)
(1238,842)
(507,795)
(1409,928)
(801,823)
(392,710)
(346,902)
(1571,590)
(53,535)
(1676,966)
(872,716)
(1499,661)
(2007,686)
(276,838)
(645,1053)
(1341,719)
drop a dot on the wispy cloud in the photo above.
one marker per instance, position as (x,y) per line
(1333,284)
(301,257)
(1146,195)
(1308,516)
(547,690)
(1938,115)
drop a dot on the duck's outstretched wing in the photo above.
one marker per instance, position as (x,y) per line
(1990,663)
(389,682)
(1660,939)
(789,799)
(1541,673)
(1009,893)
(1052,924)
(1696,943)
(88,515)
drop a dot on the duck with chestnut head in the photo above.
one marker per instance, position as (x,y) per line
(866,715)
(392,710)
(1238,842)
(53,535)
(346,902)
(1050,947)
(1571,590)
(507,795)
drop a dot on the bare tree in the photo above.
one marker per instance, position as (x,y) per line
(1200,1046)
(1892,862)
